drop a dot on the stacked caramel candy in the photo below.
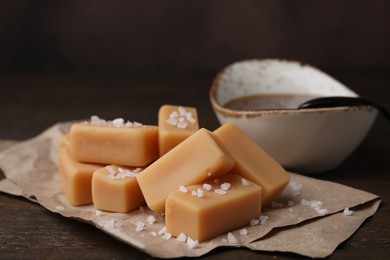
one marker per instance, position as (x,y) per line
(207,183)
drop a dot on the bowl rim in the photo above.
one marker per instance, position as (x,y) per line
(220,108)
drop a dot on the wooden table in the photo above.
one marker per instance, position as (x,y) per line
(30,103)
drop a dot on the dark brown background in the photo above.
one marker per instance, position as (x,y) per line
(181,36)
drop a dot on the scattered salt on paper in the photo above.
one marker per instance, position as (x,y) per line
(99,213)
(231,238)
(182,237)
(192,243)
(347,212)
(296,187)
(194,193)
(167,235)
(263,219)
(254,222)
(316,205)
(162,230)
(153,233)
(139,226)
(60,208)
(150,219)
(243,232)
(109,223)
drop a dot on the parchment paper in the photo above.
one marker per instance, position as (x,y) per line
(30,170)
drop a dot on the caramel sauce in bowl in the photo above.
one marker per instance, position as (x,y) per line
(261,97)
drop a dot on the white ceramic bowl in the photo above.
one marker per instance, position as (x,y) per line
(306,140)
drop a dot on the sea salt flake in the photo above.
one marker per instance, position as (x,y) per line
(99,213)
(220,191)
(137,124)
(316,205)
(172,121)
(153,233)
(139,226)
(347,212)
(60,208)
(192,243)
(254,222)
(190,118)
(322,212)
(182,237)
(174,114)
(162,230)
(245,182)
(225,186)
(243,232)
(263,219)
(200,193)
(150,219)
(194,193)
(119,122)
(96,121)
(141,209)
(232,239)
(110,223)
(183,189)
(167,235)
(182,125)
(182,111)
(207,187)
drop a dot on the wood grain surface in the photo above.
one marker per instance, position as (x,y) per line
(31,102)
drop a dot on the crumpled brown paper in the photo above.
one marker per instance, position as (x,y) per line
(306,219)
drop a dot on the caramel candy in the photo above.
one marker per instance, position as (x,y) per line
(175,124)
(76,177)
(198,158)
(253,163)
(114,142)
(204,211)
(116,189)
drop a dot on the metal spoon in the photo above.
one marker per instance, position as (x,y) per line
(342,101)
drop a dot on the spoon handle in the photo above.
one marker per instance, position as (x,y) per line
(343,101)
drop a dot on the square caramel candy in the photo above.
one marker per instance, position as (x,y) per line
(204,211)
(76,177)
(116,189)
(253,163)
(175,124)
(199,157)
(114,142)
